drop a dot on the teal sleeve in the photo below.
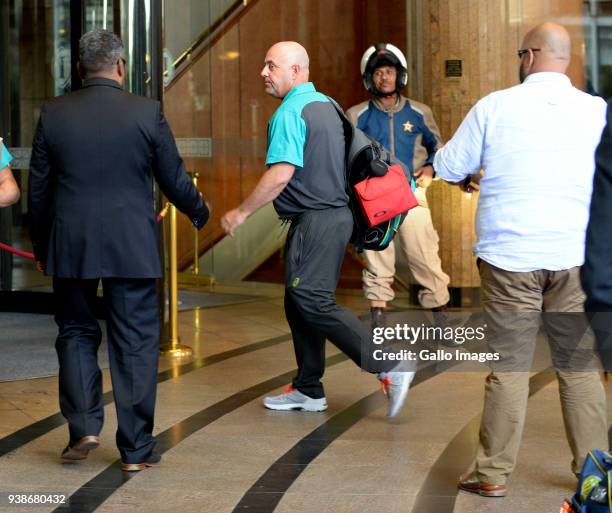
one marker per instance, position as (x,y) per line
(6,157)
(286,139)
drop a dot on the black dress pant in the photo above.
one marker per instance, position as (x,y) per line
(133,344)
(315,248)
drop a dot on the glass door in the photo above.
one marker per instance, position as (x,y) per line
(35,58)
(38,53)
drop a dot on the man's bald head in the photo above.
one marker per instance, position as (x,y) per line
(291,52)
(552,38)
(550,49)
(286,65)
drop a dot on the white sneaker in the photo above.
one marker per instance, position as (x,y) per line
(395,386)
(293,399)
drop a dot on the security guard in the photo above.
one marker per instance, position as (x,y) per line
(408,130)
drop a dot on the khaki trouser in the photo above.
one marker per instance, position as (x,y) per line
(512,303)
(418,240)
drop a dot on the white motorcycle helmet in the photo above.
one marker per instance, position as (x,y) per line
(383,54)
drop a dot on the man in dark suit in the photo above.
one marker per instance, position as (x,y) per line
(92,218)
(596,273)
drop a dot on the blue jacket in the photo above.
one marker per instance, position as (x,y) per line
(407,129)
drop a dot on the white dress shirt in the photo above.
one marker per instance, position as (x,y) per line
(536,144)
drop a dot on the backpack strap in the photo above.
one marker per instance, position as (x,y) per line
(602,459)
(609,483)
(603,462)
(348,139)
(339,110)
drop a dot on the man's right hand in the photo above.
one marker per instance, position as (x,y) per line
(424,176)
(40,266)
(232,220)
(203,215)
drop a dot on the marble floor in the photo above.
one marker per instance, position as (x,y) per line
(223,452)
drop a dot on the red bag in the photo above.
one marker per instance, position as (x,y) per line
(383,197)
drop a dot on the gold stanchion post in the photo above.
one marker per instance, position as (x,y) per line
(196,246)
(173,347)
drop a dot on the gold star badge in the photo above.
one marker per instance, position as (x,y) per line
(408,126)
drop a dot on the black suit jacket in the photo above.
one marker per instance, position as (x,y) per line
(597,269)
(91,208)
(596,273)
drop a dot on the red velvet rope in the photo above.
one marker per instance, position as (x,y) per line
(18,252)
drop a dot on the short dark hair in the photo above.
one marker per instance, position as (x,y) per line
(99,50)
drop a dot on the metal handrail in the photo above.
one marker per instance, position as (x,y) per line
(208,34)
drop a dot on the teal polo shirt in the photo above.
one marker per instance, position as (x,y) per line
(307,132)
(5,157)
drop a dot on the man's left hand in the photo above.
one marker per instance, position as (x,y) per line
(232,220)
(424,176)
(471,183)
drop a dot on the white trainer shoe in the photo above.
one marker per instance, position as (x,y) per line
(395,386)
(293,399)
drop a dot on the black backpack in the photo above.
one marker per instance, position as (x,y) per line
(366,157)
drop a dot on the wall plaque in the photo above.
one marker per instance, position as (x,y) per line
(454,68)
(194,147)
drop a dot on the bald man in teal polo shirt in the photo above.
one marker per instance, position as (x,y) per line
(9,192)
(306,181)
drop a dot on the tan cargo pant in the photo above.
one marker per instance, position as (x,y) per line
(418,240)
(512,303)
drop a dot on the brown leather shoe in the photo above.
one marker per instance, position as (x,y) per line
(153,460)
(471,483)
(80,450)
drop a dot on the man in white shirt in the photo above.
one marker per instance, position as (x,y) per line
(535,143)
